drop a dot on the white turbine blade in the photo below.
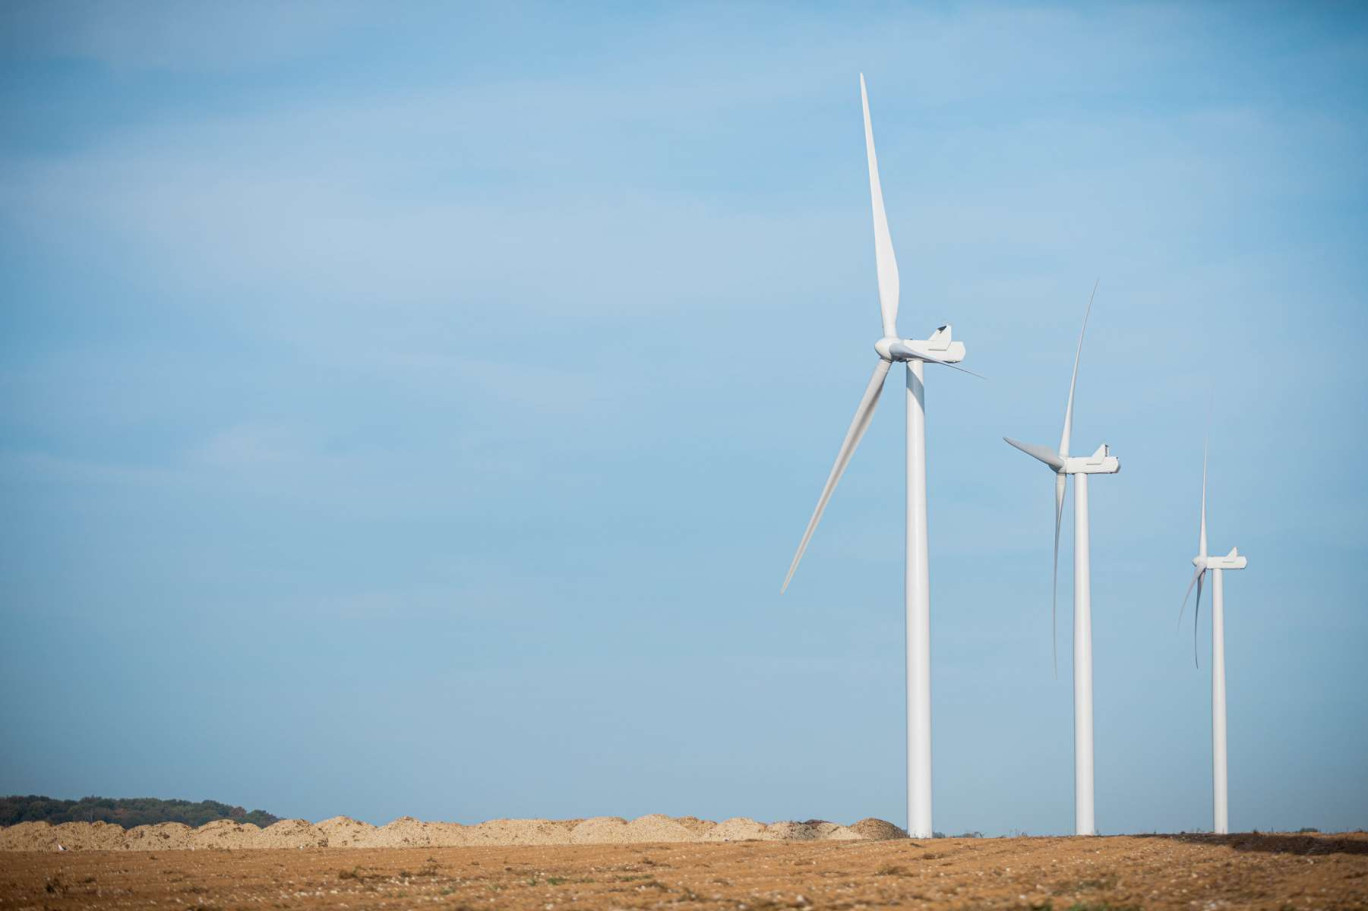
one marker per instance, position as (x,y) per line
(1038,452)
(1073,381)
(1196,577)
(1196,612)
(1061,481)
(858,426)
(884,260)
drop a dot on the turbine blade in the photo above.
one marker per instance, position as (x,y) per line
(884,261)
(1196,611)
(1073,381)
(858,426)
(1188,594)
(1061,481)
(1038,452)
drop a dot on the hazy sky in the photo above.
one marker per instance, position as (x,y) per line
(413,409)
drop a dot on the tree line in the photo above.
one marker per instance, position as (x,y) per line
(124,811)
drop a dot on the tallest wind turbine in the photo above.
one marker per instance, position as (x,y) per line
(1063,465)
(938,349)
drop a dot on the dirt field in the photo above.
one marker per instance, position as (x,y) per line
(1189,872)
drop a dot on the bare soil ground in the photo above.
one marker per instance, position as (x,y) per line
(1088,874)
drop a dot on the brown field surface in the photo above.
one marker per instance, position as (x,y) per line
(1098,874)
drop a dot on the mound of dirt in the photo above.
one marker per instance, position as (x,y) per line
(600,830)
(738,828)
(164,836)
(292,833)
(830,831)
(561,829)
(447,834)
(520,832)
(28,836)
(790,831)
(871,829)
(402,832)
(656,828)
(89,836)
(225,833)
(809,830)
(345,832)
(695,825)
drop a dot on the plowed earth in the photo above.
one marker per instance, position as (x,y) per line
(1195,873)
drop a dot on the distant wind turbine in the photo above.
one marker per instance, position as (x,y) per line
(938,349)
(1216,566)
(1063,465)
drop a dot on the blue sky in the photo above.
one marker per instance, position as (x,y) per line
(415,410)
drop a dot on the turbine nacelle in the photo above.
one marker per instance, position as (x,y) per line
(938,349)
(1100,462)
(1232,560)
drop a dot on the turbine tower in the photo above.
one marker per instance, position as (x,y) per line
(1064,465)
(938,349)
(1216,566)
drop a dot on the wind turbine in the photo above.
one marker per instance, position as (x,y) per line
(1216,566)
(1063,465)
(938,349)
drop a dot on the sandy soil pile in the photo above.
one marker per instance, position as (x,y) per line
(292,833)
(447,834)
(28,836)
(738,828)
(832,831)
(657,828)
(600,830)
(86,836)
(402,832)
(225,833)
(871,829)
(345,832)
(812,830)
(166,836)
(519,832)
(695,825)
(408,832)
